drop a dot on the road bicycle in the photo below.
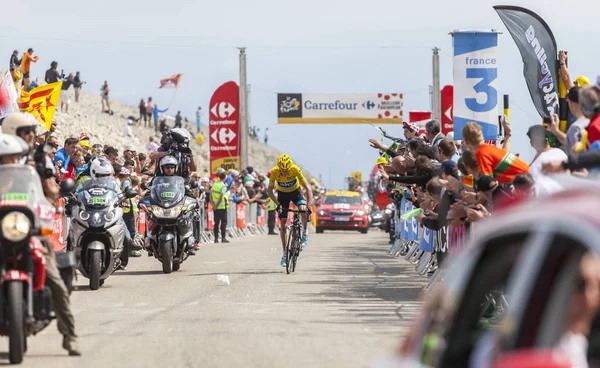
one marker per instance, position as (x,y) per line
(293,244)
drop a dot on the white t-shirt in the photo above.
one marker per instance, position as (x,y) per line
(575,347)
(545,185)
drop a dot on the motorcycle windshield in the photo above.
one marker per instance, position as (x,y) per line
(167,191)
(20,186)
(100,193)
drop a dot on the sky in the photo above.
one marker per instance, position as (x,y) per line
(324,46)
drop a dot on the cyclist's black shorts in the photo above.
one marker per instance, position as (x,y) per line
(284,199)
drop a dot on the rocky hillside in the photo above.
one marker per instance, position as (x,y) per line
(104,129)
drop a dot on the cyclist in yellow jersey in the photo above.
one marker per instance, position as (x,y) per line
(290,181)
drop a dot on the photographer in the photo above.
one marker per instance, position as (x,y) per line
(176,143)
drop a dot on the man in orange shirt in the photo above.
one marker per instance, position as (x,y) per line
(26,64)
(494,161)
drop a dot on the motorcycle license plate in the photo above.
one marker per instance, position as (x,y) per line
(341,219)
(98,201)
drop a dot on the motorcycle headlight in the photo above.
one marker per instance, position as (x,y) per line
(109,215)
(359,213)
(157,211)
(15,226)
(388,211)
(84,215)
(96,220)
(174,212)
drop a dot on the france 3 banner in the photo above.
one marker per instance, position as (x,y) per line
(475,81)
(537,46)
(310,108)
(426,244)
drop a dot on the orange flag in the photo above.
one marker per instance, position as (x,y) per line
(41,102)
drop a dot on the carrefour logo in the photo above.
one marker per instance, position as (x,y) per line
(369,105)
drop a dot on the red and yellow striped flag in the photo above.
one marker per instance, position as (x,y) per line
(41,102)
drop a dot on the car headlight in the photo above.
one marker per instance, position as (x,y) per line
(359,213)
(321,213)
(15,226)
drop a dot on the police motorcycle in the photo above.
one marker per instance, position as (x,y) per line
(171,215)
(97,228)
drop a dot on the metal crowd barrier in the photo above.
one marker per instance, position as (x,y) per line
(242,221)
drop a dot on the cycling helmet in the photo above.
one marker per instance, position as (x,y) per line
(12,145)
(17,120)
(101,168)
(168,160)
(284,162)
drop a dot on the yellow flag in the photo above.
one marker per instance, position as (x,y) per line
(41,102)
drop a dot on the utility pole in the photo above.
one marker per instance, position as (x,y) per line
(437,110)
(431,99)
(243,111)
(248,104)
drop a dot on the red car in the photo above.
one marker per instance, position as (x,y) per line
(343,210)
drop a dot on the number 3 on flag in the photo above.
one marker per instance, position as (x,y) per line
(487,76)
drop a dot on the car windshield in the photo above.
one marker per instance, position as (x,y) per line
(167,190)
(342,200)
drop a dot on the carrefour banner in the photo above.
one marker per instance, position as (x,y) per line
(475,81)
(308,108)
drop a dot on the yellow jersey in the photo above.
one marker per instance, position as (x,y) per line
(287,183)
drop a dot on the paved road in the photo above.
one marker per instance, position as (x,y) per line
(347,303)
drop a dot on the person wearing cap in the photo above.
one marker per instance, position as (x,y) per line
(26,61)
(131,155)
(575,131)
(231,177)
(411,130)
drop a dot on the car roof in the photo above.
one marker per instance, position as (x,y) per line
(342,193)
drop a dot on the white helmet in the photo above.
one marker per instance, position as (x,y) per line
(168,160)
(12,145)
(16,120)
(101,167)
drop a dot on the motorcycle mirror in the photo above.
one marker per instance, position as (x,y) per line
(131,193)
(66,187)
(194,185)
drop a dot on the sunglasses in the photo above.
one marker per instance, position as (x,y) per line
(26,130)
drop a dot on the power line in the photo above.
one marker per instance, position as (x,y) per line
(208,46)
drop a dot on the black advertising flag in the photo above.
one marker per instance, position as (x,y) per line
(537,46)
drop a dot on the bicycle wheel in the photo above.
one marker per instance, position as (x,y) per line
(289,252)
(295,252)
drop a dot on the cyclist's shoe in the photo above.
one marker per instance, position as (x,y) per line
(283,262)
(304,240)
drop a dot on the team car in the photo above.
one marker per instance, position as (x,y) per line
(342,210)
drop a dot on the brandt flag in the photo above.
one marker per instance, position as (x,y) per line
(538,51)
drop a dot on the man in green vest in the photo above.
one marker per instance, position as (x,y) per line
(220,200)
(272,216)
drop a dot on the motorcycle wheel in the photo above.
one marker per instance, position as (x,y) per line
(16,331)
(167,257)
(95,268)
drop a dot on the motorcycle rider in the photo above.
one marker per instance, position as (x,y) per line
(168,166)
(60,295)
